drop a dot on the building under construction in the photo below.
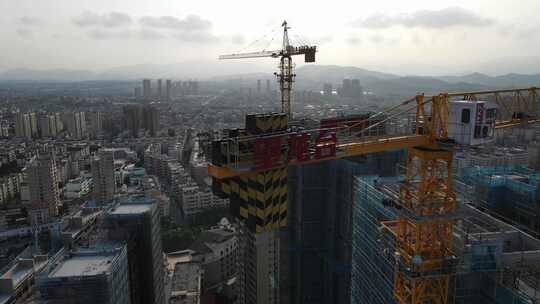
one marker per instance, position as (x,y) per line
(507,192)
(316,244)
(493,262)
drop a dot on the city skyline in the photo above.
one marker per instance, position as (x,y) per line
(382,152)
(417,36)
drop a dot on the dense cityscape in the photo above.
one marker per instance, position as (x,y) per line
(317,183)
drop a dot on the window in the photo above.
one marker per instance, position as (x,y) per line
(465,116)
(491,115)
(477,131)
(485,131)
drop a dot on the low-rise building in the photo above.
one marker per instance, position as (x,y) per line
(38,214)
(217,249)
(10,187)
(195,201)
(77,188)
(17,282)
(185,278)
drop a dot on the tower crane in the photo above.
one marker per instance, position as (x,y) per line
(285,76)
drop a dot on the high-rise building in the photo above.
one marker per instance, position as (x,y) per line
(43,125)
(327,89)
(22,125)
(98,274)
(137,93)
(137,222)
(76,124)
(191,87)
(178,88)
(258,86)
(351,88)
(42,182)
(137,117)
(82,126)
(59,123)
(267,85)
(33,124)
(102,167)
(316,245)
(159,90)
(259,202)
(147,89)
(96,123)
(47,125)
(133,117)
(151,120)
(168,89)
(258,266)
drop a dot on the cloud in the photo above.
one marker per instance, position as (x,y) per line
(317,40)
(324,39)
(190,23)
(376,39)
(519,32)
(116,26)
(437,19)
(353,40)
(149,34)
(107,35)
(415,39)
(110,20)
(192,29)
(30,21)
(197,37)
(238,39)
(25,33)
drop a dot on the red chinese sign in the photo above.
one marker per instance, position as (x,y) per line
(298,147)
(267,152)
(326,146)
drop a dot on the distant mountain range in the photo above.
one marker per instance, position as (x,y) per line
(185,70)
(383,83)
(310,77)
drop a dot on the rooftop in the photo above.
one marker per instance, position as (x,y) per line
(83,266)
(18,272)
(214,236)
(185,286)
(131,209)
(135,204)
(87,262)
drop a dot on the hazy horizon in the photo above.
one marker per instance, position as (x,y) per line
(416,37)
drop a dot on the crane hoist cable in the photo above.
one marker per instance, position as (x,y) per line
(257,40)
(348,127)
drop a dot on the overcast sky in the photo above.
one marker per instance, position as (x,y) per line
(384,34)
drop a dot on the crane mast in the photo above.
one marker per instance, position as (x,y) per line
(285,76)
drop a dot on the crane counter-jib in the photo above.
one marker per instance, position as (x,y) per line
(344,150)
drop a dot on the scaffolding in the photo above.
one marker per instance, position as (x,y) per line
(510,192)
(495,262)
(372,252)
